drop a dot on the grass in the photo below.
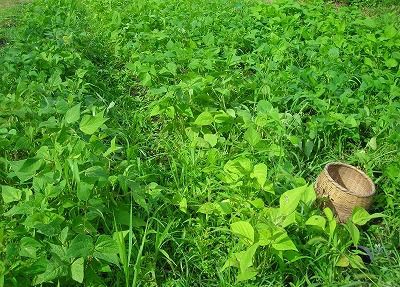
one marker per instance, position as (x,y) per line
(372,8)
(6,4)
(176,143)
(8,16)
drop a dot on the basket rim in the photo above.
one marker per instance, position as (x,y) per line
(345,189)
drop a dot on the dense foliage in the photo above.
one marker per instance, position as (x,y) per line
(175,143)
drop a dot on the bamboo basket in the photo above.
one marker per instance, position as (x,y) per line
(345,187)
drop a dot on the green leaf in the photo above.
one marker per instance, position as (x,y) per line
(290,200)
(244,230)
(354,232)
(309,195)
(282,242)
(264,234)
(29,247)
(73,114)
(146,80)
(316,220)
(171,67)
(10,194)
(90,124)
(288,220)
(360,216)
(308,148)
(208,39)
(224,207)
(246,274)
(261,120)
(73,165)
(356,262)
(391,63)
(331,221)
(27,168)
(260,174)
(329,214)
(64,234)
(139,196)
(264,106)
(245,258)
(204,119)
(54,269)
(170,112)
(183,205)
(84,191)
(230,262)
(113,148)
(240,166)
(257,203)
(106,244)
(81,73)
(77,270)
(372,143)
(212,139)
(80,246)
(156,110)
(390,31)
(252,136)
(343,261)
(206,208)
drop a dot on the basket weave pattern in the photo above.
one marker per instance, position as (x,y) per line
(346,187)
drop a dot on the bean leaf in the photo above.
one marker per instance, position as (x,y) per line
(77,270)
(244,230)
(90,124)
(73,114)
(10,194)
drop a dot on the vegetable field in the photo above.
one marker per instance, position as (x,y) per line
(176,143)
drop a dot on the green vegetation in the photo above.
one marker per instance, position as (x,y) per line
(175,143)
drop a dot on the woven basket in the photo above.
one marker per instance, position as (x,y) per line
(345,187)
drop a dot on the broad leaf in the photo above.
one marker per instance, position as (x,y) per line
(27,168)
(84,191)
(245,258)
(80,246)
(183,205)
(247,274)
(55,269)
(29,247)
(356,262)
(354,232)
(113,148)
(343,261)
(206,208)
(309,195)
(282,242)
(204,119)
(317,220)
(264,234)
(106,244)
(230,262)
(10,194)
(77,270)
(290,200)
(260,173)
(331,221)
(73,114)
(211,139)
(244,230)
(252,136)
(360,216)
(90,124)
